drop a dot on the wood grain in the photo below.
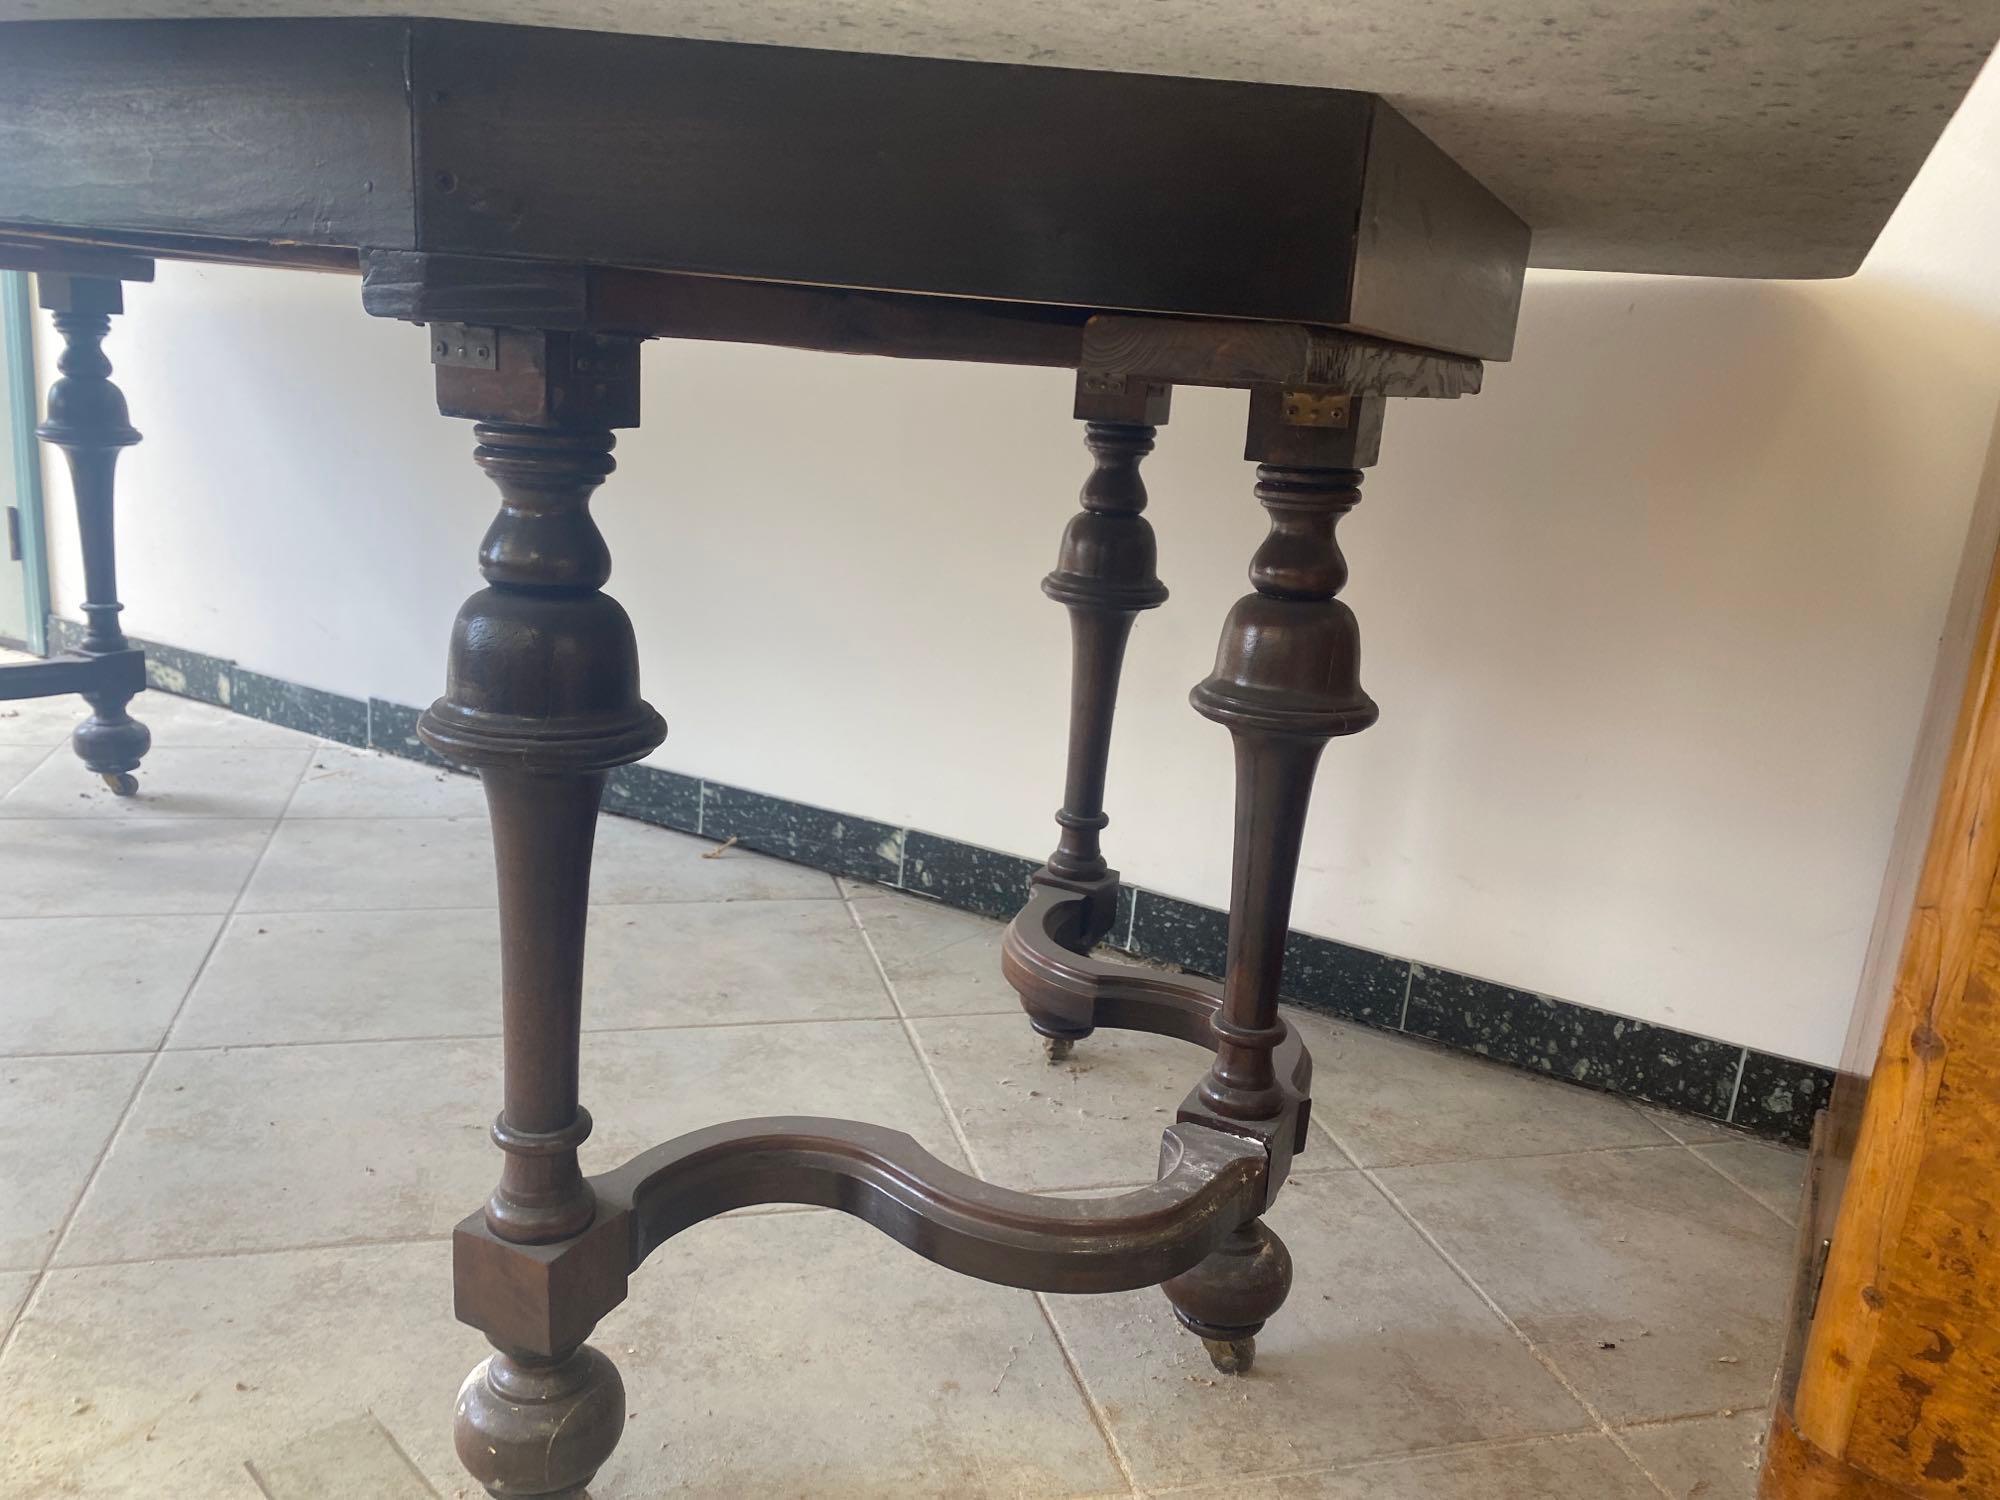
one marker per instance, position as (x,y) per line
(1901,1373)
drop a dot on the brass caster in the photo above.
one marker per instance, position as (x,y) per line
(1231,1356)
(1060,1048)
(122,783)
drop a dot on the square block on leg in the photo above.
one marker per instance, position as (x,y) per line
(540,1299)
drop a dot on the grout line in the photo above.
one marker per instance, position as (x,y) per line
(1098,1416)
(1090,1402)
(245,1252)
(34,1282)
(1716,1168)
(1409,985)
(1445,1161)
(68,1221)
(1736,1088)
(1132,919)
(362,1242)
(910,1035)
(1535,1351)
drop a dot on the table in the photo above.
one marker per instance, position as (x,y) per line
(544,201)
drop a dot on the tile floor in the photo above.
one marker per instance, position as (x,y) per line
(247,1057)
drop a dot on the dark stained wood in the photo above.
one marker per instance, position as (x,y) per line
(1211,351)
(109,672)
(87,420)
(542,698)
(44,258)
(311,139)
(838,321)
(978,179)
(1105,575)
(286,133)
(541,202)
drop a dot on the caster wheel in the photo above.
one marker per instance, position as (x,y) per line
(122,783)
(1231,1356)
(1059,1048)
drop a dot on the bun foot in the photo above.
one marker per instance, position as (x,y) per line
(1225,1300)
(539,1428)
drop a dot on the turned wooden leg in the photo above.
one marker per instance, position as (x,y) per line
(87,420)
(1104,576)
(542,697)
(1286,680)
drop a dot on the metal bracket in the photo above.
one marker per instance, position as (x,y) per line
(465,345)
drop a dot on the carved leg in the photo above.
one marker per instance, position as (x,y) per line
(87,421)
(1104,576)
(1286,680)
(542,697)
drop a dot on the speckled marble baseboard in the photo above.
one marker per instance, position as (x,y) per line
(1755,1091)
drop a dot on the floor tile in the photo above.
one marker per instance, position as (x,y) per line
(96,984)
(185,1370)
(942,962)
(350,1458)
(343,782)
(16,761)
(1708,1458)
(863,890)
(1093,1120)
(368,975)
(1394,1101)
(173,783)
(184,722)
(1657,1287)
(39,723)
(690,963)
(175,723)
(636,862)
(401,864)
(89,866)
(894,1377)
(333,976)
(1380,1349)
(1774,1175)
(375,864)
(1567,1468)
(164,1379)
(266,1147)
(56,1113)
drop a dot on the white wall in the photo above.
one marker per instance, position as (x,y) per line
(1650,621)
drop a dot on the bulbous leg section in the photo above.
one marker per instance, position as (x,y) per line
(541,1428)
(111,742)
(1226,1299)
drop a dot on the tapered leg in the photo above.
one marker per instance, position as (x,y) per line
(1286,680)
(1104,576)
(87,420)
(542,698)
